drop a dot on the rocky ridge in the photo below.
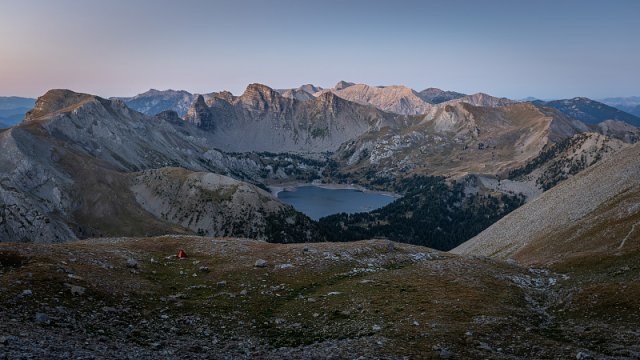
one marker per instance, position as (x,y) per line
(457,139)
(591,213)
(263,120)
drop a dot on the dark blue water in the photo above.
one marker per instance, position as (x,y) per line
(317,202)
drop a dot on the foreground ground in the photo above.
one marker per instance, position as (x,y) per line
(132,298)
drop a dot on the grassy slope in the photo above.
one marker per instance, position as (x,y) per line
(331,301)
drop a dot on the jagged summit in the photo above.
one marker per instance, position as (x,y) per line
(200,115)
(259,92)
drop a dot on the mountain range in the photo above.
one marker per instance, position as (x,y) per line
(263,120)
(12,109)
(528,211)
(77,158)
(629,104)
(401,100)
(590,111)
(80,165)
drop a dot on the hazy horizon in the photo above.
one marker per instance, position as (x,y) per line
(550,49)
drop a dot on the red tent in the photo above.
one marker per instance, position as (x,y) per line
(181,254)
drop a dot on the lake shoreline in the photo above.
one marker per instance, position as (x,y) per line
(275,190)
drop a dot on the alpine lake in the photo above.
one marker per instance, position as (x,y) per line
(317,201)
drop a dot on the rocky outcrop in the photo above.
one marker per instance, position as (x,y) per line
(619,130)
(559,161)
(199,114)
(216,205)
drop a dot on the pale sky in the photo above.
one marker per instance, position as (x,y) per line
(546,49)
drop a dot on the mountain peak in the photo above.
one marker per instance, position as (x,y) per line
(260,97)
(397,99)
(258,88)
(58,100)
(310,88)
(259,92)
(437,96)
(343,85)
(483,99)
